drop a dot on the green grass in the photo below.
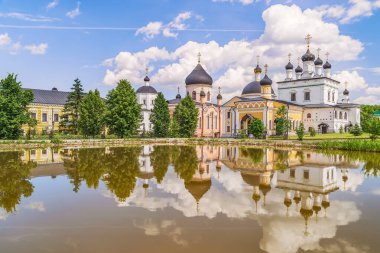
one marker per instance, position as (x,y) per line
(332,136)
(351,145)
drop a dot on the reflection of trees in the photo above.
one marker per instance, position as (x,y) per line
(86,165)
(122,166)
(160,159)
(185,161)
(255,154)
(282,159)
(14,180)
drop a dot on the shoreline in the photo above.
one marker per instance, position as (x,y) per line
(88,143)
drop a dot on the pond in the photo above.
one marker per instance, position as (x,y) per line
(188,199)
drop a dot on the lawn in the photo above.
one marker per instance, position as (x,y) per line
(330,136)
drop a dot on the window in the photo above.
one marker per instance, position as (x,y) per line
(336,114)
(56,117)
(199,122)
(329,96)
(228,129)
(194,96)
(308,116)
(44,152)
(44,117)
(306,175)
(188,93)
(216,122)
(340,115)
(345,115)
(33,152)
(333,96)
(307,96)
(293,96)
(228,115)
(34,115)
(292,173)
(144,102)
(208,96)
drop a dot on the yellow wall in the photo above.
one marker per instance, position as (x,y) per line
(39,109)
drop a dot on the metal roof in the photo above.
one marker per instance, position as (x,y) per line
(52,97)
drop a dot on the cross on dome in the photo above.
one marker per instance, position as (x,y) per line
(219,89)
(266,68)
(308,40)
(289,55)
(258,59)
(327,56)
(319,50)
(199,57)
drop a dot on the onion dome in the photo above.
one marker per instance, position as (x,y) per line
(252,180)
(198,188)
(287,202)
(317,209)
(257,70)
(325,204)
(306,213)
(146,79)
(202,94)
(289,66)
(327,65)
(266,81)
(299,69)
(346,92)
(199,76)
(251,88)
(146,89)
(178,96)
(256,197)
(318,62)
(219,96)
(297,199)
(308,56)
(145,186)
(265,189)
(345,178)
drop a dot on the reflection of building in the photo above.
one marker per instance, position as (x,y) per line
(146,169)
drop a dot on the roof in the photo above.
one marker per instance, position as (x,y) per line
(52,97)
(343,106)
(306,79)
(377,112)
(199,76)
(252,88)
(146,89)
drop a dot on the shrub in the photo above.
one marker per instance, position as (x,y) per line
(256,128)
(300,132)
(356,130)
(313,132)
(341,130)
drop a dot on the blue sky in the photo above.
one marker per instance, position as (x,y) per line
(50,43)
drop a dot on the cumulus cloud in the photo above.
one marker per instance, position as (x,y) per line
(52,4)
(37,49)
(27,17)
(367,100)
(285,28)
(74,13)
(5,39)
(243,2)
(153,29)
(354,80)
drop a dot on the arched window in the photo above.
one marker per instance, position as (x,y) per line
(194,95)
(333,96)
(329,96)
(308,116)
(336,114)
(208,96)
(345,115)
(340,115)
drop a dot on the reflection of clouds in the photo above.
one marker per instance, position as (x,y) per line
(355,179)
(3,214)
(343,246)
(165,227)
(36,205)
(376,191)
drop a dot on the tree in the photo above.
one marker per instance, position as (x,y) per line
(282,122)
(160,117)
(374,128)
(186,116)
(356,130)
(300,132)
(256,128)
(91,111)
(313,132)
(13,107)
(70,117)
(366,113)
(174,128)
(123,114)
(341,130)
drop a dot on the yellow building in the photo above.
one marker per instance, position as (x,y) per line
(46,109)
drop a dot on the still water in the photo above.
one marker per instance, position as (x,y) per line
(188,199)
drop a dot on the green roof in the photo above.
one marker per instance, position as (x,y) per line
(377,112)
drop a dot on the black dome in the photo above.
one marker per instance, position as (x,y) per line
(146,79)
(327,65)
(146,89)
(346,92)
(318,62)
(219,96)
(308,56)
(266,81)
(178,96)
(289,66)
(199,76)
(299,69)
(253,87)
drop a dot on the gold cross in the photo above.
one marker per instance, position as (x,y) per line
(146,71)
(327,56)
(258,59)
(319,50)
(308,40)
(219,89)
(266,68)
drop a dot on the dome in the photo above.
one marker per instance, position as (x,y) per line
(299,69)
(199,76)
(198,189)
(252,180)
(289,66)
(297,199)
(266,81)
(308,56)
(327,65)
(178,96)
(265,189)
(219,96)
(287,202)
(346,92)
(146,79)
(146,89)
(253,87)
(318,62)
(257,69)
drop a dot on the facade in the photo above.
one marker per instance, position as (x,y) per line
(199,88)
(309,93)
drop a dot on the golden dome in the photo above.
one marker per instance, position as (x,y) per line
(198,188)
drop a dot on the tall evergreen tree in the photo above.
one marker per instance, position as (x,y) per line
(186,117)
(123,114)
(13,107)
(160,117)
(70,117)
(91,111)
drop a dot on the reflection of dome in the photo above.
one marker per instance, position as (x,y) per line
(345,178)
(346,92)
(297,199)
(265,189)
(306,213)
(256,197)
(325,204)
(198,188)
(199,76)
(317,209)
(287,202)
(145,186)
(252,180)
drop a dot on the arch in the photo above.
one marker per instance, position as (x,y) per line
(308,116)
(208,96)
(340,115)
(333,96)
(245,121)
(329,96)
(345,115)
(194,95)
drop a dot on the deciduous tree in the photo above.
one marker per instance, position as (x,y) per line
(91,111)
(186,116)
(160,117)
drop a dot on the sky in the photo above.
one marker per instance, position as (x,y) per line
(49,43)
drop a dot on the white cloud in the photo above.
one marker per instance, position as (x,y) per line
(368,100)
(331,11)
(357,9)
(354,80)
(15,48)
(74,13)
(373,90)
(37,205)
(153,29)
(37,49)
(27,17)
(52,4)
(376,70)
(5,39)
(243,2)
(285,28)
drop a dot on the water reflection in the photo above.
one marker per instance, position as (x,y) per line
(287,192)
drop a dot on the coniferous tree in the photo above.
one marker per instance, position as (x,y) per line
(70,117)
(91,111)
(13,107)
(160,117)
(186,117)
(300,132)
(123,114)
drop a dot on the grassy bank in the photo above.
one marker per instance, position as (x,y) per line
(351,145)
